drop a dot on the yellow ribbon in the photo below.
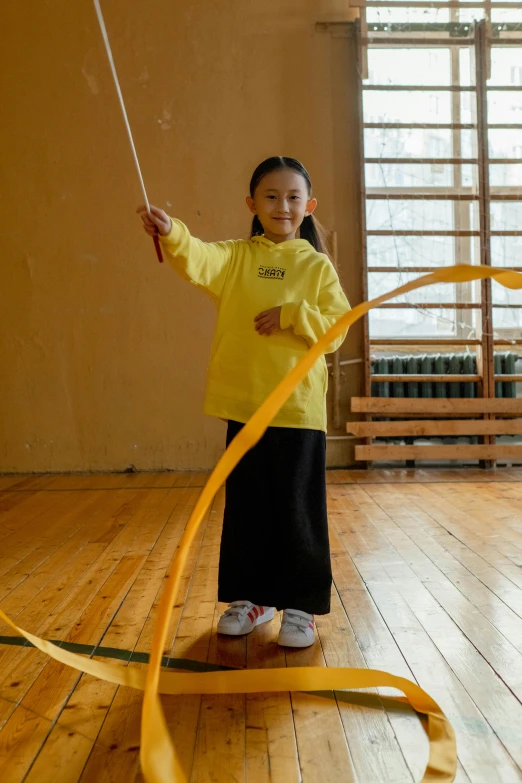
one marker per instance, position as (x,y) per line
(159,761)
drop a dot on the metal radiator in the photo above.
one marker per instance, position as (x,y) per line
(439,364)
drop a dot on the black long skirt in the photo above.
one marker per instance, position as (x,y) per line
(274,546)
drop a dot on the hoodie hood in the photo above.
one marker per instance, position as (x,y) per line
(293,245)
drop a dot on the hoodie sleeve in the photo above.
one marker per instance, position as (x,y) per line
(203,263)
(312,321)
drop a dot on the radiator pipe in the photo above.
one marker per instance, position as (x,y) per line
(344,362)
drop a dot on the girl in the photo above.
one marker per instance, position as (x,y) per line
(276,294)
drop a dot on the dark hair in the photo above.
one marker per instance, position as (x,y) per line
(310,229)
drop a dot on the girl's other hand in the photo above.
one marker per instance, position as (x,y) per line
(157,222)
(269,321)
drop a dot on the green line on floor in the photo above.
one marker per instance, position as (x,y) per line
(121,655)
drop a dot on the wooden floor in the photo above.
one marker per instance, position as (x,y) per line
(428,585)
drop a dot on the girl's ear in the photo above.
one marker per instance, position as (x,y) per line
(251,205)
(311,206)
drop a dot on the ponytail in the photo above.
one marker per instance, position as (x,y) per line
(257,228)
(314,232)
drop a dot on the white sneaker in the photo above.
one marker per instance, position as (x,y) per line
(241,617)
(297,629)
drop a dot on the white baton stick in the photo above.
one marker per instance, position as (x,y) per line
(125,118)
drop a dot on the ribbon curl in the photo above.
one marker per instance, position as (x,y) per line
(159,761)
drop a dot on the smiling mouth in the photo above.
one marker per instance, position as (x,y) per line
(282,219)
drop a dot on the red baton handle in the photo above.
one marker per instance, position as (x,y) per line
(158,248)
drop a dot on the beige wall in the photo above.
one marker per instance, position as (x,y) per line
(103,351)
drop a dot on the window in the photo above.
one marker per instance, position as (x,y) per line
(424,135)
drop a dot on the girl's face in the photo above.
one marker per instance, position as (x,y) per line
(281,202)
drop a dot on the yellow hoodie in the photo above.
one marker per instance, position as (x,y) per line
(244,278)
